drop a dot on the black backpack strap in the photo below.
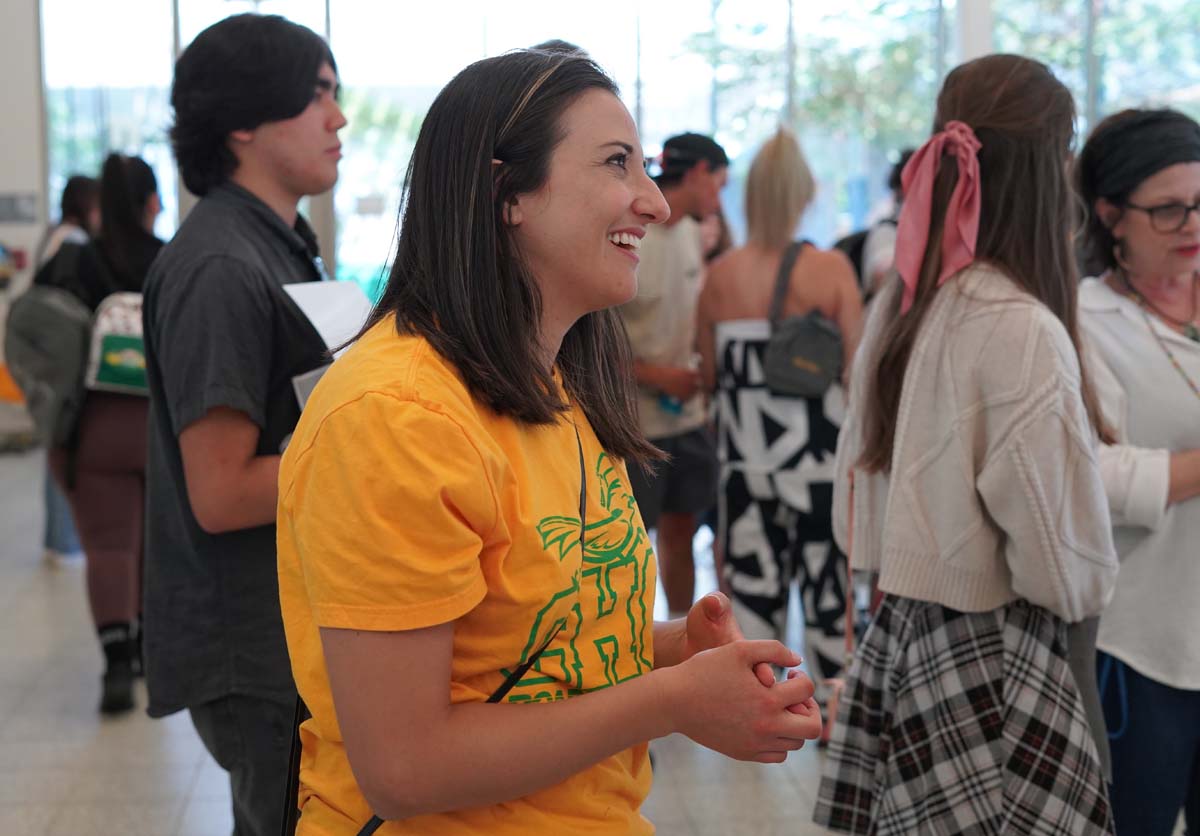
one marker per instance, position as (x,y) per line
(293,788)
(370,827)
(782,281)
(291,795)
(60,271)
(105,276)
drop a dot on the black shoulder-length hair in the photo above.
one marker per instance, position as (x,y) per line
(239,73)
(458,279)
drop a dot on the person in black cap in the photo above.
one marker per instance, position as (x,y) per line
(661,322)
(1139,176)
(256,129)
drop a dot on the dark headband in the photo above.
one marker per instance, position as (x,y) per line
(1131,149)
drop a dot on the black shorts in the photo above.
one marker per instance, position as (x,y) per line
(684,484)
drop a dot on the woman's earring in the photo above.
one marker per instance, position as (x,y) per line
(1119,253)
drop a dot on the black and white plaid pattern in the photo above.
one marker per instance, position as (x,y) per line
(962,723)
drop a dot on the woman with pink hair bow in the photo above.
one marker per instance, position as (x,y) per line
(968,483)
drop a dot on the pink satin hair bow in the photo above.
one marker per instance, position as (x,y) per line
(962,215)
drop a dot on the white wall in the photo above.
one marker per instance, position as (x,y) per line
(22,146)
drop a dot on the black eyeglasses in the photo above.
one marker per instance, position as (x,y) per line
(1168,217)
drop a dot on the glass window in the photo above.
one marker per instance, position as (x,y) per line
(866,76)
(1053,32)
(197,15)
(1144,53)
(394,59)
(865,80)
(1148,54)
(683,69)
(108,94)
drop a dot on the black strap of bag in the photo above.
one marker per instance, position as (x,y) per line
(803,355)
(783,281)
(291,812)
(291,793)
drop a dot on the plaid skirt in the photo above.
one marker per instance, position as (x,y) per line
(962,723)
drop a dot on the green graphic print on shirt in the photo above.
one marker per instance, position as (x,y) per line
(606,612)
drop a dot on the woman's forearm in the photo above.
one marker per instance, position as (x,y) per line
(483,754)
(415,752)
(474,754)
(1184,477)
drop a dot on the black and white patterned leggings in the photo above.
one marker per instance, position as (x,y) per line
(766,544)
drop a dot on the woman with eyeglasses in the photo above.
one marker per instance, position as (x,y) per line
(1139,174)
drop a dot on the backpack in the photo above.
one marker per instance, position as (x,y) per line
(56,349)
(803,357)
(45,347)
(117,352)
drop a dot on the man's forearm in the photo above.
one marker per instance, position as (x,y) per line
(245,499)
(646,374)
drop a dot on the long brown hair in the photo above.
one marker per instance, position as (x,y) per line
(458,279)
(1024,119)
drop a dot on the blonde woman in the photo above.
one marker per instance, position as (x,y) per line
(776,453)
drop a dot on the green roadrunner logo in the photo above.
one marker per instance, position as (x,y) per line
(608,593)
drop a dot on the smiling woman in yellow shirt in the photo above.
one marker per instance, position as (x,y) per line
(466,582)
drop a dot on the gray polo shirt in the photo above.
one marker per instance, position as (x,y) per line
(219,331)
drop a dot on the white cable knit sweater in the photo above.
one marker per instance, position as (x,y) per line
(995,491)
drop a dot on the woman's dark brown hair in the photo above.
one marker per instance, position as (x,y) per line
(458,279)
(1024,120)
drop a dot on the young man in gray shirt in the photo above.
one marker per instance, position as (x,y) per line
(256,129)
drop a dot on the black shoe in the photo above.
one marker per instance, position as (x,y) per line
(116,689)
(120,651)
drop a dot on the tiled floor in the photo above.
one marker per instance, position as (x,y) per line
(65,771)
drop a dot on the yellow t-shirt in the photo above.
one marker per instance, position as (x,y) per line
(405,503)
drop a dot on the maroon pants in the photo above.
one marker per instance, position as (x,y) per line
(108,499)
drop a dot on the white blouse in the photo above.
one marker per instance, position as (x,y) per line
(1153,621)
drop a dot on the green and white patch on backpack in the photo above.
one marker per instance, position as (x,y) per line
(122,364)
(117,359)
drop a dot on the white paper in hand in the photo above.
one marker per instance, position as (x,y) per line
(336,309)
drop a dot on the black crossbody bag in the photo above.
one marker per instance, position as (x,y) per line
(803,356)
(291,813)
